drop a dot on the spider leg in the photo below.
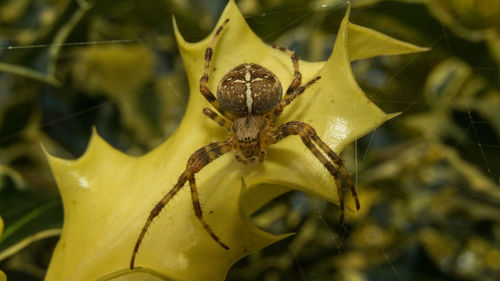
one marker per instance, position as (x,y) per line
(290,97)
(338,161)
(217,118)
(199,213)
(196,162)
(205,91)
(156,210)
(308,136)
(297,76)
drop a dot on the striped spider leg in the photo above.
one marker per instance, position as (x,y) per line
(250,100)
(308,134)
(205,91)
(196,162)
(310,139)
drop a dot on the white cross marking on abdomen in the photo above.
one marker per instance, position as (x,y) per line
(248,90)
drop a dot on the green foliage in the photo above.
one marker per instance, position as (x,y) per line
(428,180)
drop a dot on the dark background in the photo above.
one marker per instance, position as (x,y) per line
(429,178)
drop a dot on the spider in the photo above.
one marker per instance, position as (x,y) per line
(250,98)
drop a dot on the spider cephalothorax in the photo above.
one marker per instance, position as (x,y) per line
(250,98)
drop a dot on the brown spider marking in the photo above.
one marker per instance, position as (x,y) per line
(250,99)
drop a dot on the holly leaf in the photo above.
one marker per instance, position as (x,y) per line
(108,195)
(3,277)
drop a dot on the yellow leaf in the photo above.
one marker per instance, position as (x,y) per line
(108,195)
(114,70)
(3,277)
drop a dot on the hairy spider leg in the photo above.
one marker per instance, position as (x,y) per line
(196,162)
(199,213)
(205,91)
(338,161)
(308,136)
(217,118)
(297,76)
(289,98)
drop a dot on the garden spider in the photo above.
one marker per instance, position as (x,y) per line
(250,98)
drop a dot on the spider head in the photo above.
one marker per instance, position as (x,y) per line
(247,131)
(249,89)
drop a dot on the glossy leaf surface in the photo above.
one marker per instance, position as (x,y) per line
(108,195)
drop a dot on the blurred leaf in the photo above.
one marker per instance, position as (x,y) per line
(445,82)
(27,217)
(26,22)
(108,194)
(27,72)
(474,20)
(12,10)
(494,46)
(47,74)
(113,69)
(63,33)
(119,72)
(3,277)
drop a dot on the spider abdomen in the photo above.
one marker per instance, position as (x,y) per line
(249,89)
